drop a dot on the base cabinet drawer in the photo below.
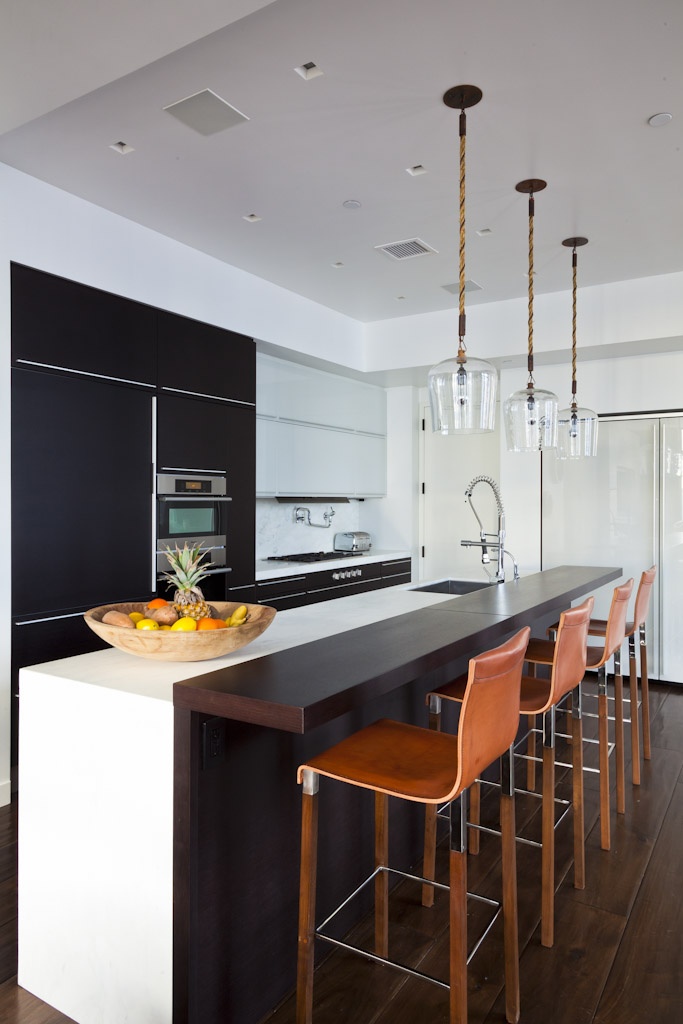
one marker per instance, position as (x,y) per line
(288,592)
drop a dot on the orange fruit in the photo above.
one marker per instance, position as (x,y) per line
(207,624)
(157,602)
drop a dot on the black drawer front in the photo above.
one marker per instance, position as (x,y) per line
(351,576)
(288,592)
(398,567)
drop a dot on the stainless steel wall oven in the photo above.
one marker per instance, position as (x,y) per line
(193,508)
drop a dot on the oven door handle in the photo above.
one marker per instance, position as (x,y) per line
(216,572)
(197,498)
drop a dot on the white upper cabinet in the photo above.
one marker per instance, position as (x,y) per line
(300,393)
(318,434)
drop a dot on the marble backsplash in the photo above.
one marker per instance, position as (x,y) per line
(278,534)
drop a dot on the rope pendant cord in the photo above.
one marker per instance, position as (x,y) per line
(462,348)
(574,264)
(530,356)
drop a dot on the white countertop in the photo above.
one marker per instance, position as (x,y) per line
(267,570)
(117,670)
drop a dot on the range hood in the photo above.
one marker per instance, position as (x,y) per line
(310,501)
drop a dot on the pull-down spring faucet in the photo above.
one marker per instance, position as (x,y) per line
(484,543)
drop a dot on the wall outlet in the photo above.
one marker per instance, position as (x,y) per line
(213,742)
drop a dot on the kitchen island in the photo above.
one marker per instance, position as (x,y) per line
(159,819)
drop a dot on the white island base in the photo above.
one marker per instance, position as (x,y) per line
(96,815)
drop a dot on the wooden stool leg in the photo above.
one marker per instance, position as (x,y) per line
(531,753)
(509,872)
(603,741)
(577,792)
(633,693)
(382,877)
(619,732)
(307,883)
(474,816)
(429,856)
(458,912)
(645,694)
(548,831)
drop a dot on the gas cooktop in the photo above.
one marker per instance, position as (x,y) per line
(313,556)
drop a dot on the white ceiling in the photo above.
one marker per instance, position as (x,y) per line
(568,90)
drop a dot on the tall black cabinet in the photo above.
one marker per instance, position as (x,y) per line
(95,377)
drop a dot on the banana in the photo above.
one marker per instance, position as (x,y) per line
(239,616)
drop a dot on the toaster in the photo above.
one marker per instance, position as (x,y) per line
(354,540)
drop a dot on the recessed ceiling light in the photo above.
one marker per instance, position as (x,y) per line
(251,217)
(659,120)
(338,264)
(484,231)
(309,70)
(122,147)
(416,170)
(351,204)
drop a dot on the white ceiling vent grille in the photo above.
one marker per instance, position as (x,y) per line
(405,250)
(206,113)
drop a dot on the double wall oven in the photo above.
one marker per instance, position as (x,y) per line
(194,508)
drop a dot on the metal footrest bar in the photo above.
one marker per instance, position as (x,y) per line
(350,947)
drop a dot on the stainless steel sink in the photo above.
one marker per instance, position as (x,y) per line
(449,586)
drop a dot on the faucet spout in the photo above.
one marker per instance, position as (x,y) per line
(499,544)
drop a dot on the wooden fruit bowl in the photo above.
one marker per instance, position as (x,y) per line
(175,645)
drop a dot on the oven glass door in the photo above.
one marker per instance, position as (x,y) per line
(193,520)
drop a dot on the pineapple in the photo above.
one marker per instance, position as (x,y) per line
(187,573)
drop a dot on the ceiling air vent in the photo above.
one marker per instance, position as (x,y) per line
(206,113)
(405,250)
(454,289)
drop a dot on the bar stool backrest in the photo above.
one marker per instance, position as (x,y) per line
(569,658)
(643,594)
(489,718)
(616,623)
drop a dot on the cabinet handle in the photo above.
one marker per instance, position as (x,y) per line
(50,618)
(215,398)
(85,373)
(195,498)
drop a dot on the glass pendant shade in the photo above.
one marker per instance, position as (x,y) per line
(462,396)
(531,420)
(577,433)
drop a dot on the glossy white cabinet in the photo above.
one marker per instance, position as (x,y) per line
(305,395)
(318,434)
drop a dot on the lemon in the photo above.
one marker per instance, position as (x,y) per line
(164,627)
(184,625)
(146,624)
(136,616)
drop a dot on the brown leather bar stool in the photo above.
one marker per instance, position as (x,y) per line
(598,627)
(541,652)
(416,764)
(538,697)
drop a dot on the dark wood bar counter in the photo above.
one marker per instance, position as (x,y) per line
(241,732)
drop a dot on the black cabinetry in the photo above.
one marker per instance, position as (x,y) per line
(66,325)
(396,571)
(204,360)
(288,592)
(81,493)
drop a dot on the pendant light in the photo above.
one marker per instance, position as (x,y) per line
(462,391)
(531,414)
(577,428)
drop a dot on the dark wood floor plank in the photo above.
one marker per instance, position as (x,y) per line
(17,1006)
(646,981)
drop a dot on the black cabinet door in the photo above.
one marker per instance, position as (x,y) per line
(65,324)
(81,492)
(197,435)
(201,359)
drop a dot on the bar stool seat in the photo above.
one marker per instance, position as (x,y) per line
(415,764)
(538,696)
(540,652)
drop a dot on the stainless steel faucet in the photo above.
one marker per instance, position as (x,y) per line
(484,543)
(303,515)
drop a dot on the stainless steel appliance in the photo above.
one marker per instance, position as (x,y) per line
(193,508)
(352,540)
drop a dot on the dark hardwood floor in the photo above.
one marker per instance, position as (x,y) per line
(618,953)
